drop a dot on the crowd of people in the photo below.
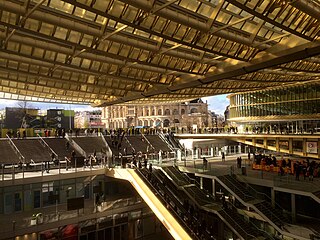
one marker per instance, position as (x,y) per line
(305,168)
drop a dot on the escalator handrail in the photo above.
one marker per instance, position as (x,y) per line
(235,187)
(163,200)
(265,196)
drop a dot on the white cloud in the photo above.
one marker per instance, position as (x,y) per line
(217,103)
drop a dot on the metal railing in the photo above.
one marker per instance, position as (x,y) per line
(270,212)
(21,157)
(9,172)
(45,144)
(161,135)
(234,188)
(57,214)
(77,147)
(129,143)
(148,141)
(197,184)
(267,235)
(235,225)
(263,196)
(109,151)
(163,200)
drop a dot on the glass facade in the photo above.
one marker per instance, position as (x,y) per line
(33,196)
(285,101)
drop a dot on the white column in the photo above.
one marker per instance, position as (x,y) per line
(179,155)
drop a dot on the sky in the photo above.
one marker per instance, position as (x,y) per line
(216,103)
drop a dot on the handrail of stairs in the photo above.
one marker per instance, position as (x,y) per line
(235,187)
(161,135)
(109,151)
(164,200)
(126,139)
(146,139)
(76,146)
(267,235)
(262,196)
(271,212)
(238,225)
(21,157)
(47,146)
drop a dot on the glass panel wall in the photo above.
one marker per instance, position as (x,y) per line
(295,100)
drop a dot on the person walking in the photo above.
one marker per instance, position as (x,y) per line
(205,163)
(223,157)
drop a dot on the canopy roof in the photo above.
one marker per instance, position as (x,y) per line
(107,52)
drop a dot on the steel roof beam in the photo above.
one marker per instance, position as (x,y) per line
(265,18)
(300,52)
(92,54)
(37,77)
(307,7)
(73,23)
(194,23)
(19,57)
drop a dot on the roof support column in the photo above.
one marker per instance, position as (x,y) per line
(304,147)
(318,148)
(277,145)
(293,207)
(290,145)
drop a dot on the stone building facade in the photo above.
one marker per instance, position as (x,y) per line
(193,114)
(88,119)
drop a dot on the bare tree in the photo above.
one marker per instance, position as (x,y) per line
(23,113)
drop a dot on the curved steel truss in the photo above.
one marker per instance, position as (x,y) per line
(106,52)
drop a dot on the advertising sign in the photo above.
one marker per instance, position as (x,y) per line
(312,147)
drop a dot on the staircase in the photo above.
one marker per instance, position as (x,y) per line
(179,178)
(8,155)
(205,201)
(237,188)
(272,215)
(239,224)
(32,149)
(139,143)
(158,143)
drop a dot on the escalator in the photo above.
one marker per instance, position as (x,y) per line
(145,190)
(206,202)
(275,217)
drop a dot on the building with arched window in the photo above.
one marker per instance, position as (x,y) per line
(193,114)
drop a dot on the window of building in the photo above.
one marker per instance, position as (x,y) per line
(194,110)
(183,111)
(167,112)
(175,112)
(166,123)
(160,112)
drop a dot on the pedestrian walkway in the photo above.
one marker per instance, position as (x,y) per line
(217,167)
